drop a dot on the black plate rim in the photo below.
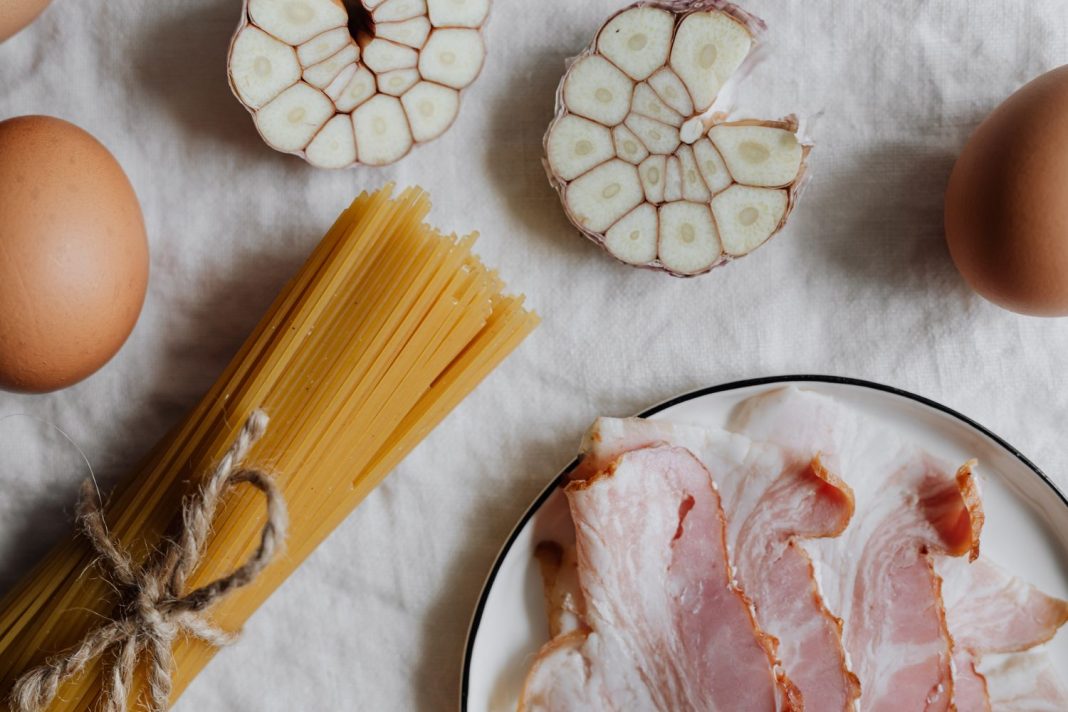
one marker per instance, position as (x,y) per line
(476,618)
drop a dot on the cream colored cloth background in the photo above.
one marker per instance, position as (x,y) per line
(859,284)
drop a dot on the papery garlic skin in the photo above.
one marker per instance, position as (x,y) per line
(306,79)
(643,165)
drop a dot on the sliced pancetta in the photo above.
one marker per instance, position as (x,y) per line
(989,611)
(773,500)
(1024,682)
(879,575)
(665,627)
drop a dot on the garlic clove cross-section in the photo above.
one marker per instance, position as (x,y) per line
(758,155)
(599,198)
(263,67)
(296,21)
(575,145)
(638,41)
(633,239)
(343,82)
(290,120)
(643,164)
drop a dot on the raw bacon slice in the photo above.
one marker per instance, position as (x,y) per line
(667,628)
(989,611)
(992,611)
(879,575)
(1025,682)
(772,500)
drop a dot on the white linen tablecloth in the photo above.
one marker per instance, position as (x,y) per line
(859,284)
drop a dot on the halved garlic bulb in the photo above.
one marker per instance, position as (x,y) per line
(644,167)
(355,81)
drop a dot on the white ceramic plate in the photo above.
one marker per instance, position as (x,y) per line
(1026,526)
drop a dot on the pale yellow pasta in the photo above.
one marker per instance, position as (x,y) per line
(386,328)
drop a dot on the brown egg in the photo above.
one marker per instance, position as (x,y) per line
(73,254)
(1007,201)
(16,14)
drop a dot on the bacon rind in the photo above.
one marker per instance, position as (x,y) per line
(955,510)
(836,487)
(941,697)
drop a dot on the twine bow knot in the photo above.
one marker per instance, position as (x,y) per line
(153,611)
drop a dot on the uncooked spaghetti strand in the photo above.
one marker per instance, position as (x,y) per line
(404,384)
(495,344)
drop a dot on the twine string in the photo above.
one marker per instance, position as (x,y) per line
(153,611)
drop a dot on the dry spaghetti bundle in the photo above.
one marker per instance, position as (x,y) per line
(384,330)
